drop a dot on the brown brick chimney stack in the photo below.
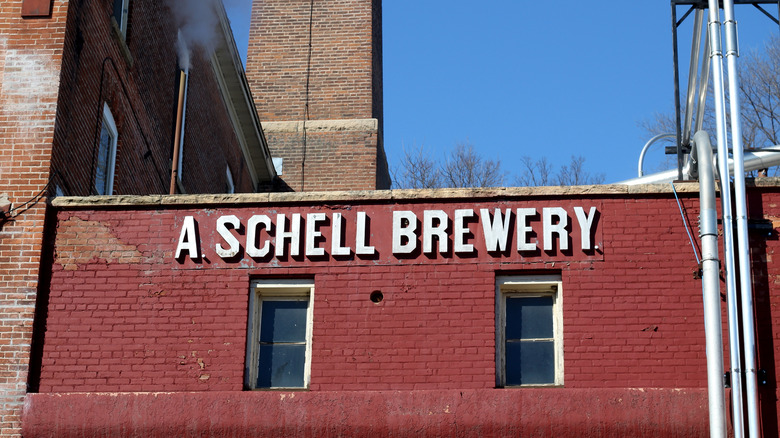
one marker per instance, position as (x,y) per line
(327,55)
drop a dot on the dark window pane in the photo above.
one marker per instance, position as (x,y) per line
(118,11)
(283,321)
(103,161)
(529,317)
(529,363)
(281,366)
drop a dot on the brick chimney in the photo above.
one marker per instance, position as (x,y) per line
(327,55)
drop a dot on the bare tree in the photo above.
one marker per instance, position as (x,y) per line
(535,173)
(462,167)
(417,171)
(574,173)
(540,173)
(465,168)
(760,95)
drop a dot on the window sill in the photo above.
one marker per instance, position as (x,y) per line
(551,385)
(278,389)
(120,39)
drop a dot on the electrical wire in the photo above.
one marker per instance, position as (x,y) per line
(685,223)
(15,212)
(306,106)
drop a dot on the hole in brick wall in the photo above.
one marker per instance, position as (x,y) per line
(377,297)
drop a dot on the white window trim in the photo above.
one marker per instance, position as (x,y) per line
(110,124)
(231,187)
(277,288)
(528,286)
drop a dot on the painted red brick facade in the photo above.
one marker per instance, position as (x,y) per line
(125,315)
(339,81)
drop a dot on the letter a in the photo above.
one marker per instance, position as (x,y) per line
(188,239)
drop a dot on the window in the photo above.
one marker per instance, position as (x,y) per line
(119,14)
(106,154)
(279,338)
(529,342)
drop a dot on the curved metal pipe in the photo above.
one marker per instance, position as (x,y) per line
(647,146)
(760,159)
(710,265)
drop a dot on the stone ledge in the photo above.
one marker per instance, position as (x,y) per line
(421,195)
(322,126)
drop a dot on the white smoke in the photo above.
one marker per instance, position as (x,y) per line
(198,25)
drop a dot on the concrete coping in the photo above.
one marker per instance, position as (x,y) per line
(322,126)
(383,196)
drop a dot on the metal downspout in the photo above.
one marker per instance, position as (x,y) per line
(745,276)
(710,265)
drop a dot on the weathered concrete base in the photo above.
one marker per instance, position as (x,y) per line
(537,412)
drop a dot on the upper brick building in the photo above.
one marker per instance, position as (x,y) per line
(88,102)
(315,69)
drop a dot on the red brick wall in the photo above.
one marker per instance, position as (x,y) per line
(30,56)
(124,315)
(333,161)
(344,57)
(141,91)
(345,82)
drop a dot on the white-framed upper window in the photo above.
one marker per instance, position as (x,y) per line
(278,354)
(106,156)
(120,14)
(529,331)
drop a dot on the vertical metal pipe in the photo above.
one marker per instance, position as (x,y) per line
(745,275)
(677,91)
(693,70)
(708,233)
(178,135)
(704,79)
(716,62)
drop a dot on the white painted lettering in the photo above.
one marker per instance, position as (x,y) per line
(523,229)
(188,239)
(558,228)
(586,224)
(496,230)
(461,231)
(336,244)
(227,236)
(252,232)
(404,225)
(294,234)
(312,233)
(435,224)
(361,237)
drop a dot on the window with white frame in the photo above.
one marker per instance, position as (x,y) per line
(106,154)
(120,13)
(279,338)
(529,341)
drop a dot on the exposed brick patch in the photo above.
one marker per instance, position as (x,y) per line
(80,242)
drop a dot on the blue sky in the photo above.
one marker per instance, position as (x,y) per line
(539,79)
